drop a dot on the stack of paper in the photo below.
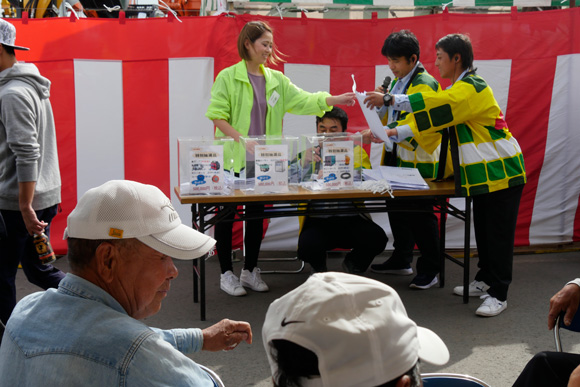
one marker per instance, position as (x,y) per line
(398,177)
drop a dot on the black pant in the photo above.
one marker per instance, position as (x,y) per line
(548,369)
(494,220)
(363,236)
(252,238)
(415,227)
(18,247)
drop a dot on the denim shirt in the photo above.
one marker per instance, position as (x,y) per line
(79,335)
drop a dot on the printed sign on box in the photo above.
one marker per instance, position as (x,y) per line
(337,164)
(207,172)
(271,168)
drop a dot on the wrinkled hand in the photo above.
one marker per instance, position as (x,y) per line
(566,300)
(374,99)
(226,335)
(33,225)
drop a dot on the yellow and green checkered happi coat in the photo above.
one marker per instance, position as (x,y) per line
(490,158)
(409,153)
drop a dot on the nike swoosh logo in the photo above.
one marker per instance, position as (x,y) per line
(284,322)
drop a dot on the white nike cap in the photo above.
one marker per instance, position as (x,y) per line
(122,209)
(357,327)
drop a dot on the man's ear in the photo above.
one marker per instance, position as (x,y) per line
(404,381)
(414,59)
(106,260)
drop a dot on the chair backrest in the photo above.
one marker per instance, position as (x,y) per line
(212,375)
(2,328)
(451,380)
(574,327)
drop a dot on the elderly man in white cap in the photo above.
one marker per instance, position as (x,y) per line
(122,237)
(344,330)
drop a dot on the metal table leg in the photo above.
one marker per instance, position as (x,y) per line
(466,249)
(442,236)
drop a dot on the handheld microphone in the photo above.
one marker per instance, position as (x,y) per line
(386,83)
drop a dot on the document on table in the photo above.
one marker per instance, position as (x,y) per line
(398,177)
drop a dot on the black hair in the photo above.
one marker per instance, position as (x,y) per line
(81,251)
(296,362)
(337,113)
(460,44)
(9,50)
(414,373)
(403,43)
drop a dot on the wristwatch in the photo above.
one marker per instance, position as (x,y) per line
(387,99)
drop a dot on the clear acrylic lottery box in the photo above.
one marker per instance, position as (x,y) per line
(271,163)
(201,166)
(331,161)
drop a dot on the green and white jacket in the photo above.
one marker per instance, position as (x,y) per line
(490,158)
(409,153)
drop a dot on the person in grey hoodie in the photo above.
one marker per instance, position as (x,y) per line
(29,172)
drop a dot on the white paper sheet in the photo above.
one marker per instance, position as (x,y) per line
(398,177)
(371,116)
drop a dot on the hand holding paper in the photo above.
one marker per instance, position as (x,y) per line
(371,116)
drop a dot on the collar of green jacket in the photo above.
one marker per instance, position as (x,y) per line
(241,74)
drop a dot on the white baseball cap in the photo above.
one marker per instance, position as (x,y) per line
(122,209)
(357,327)
(8,35)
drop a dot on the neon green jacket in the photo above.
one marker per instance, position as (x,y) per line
(232,98)
(409,153)
(490,158)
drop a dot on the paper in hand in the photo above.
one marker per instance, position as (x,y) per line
(371,116)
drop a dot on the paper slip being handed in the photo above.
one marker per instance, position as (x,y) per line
(371,116)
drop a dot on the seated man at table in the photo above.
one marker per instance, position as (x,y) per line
(339,329)
(320,233)
(122,239)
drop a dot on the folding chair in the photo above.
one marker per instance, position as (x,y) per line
(212,375)
(451,380)
(574,327)
(2,328)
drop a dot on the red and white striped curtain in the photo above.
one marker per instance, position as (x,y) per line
(123,91)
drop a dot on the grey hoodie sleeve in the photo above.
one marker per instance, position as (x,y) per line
(18,115)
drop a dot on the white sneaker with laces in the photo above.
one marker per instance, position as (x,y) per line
(491,306)
(253,280)
(476,289)
(230,284)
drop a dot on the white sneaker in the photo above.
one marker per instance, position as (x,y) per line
(230,284)
(253,280)
(491,306)
(476,289)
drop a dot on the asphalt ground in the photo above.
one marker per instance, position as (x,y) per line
(493,349)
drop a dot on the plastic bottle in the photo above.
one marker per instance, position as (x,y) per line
(44,249)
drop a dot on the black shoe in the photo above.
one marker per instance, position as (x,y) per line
(423,281)
(390,266)
(350,268)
